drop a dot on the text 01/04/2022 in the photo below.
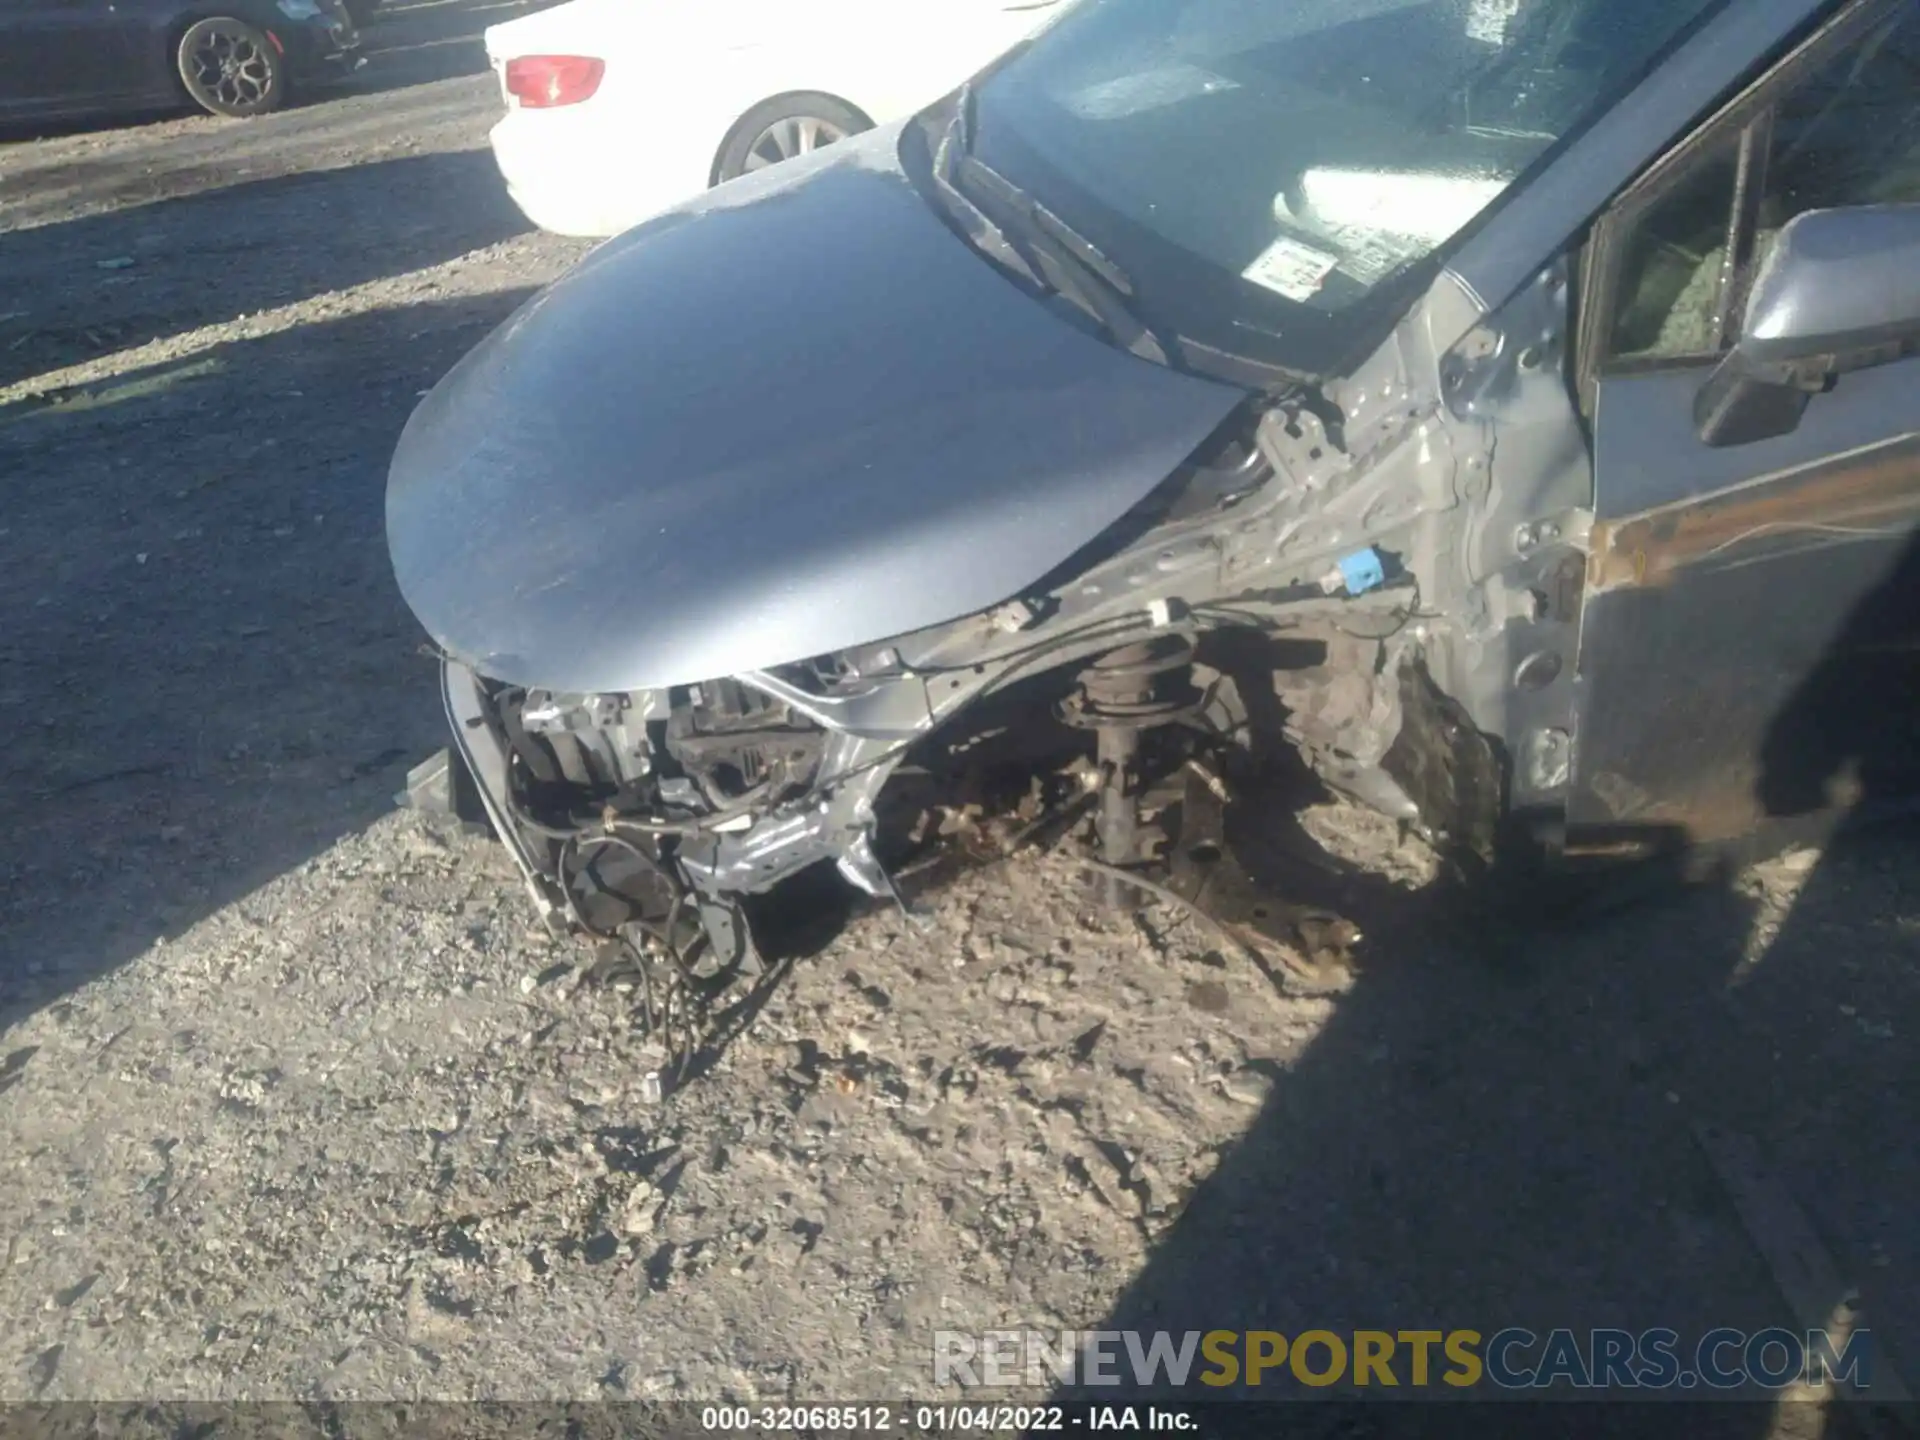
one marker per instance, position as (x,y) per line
(962,1419)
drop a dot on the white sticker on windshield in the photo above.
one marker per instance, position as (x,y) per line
(1370,257)
(1289,268)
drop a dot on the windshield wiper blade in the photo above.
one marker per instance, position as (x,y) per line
(1076,244)
(1077,271)
(1048,251)
(981,230)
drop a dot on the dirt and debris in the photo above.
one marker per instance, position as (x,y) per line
(327,1143)
(431,1154)
(299,1101)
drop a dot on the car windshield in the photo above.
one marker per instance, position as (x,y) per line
(1265,170)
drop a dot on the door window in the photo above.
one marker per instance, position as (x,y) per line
(1838,124)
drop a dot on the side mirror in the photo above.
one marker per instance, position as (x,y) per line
(1840,291)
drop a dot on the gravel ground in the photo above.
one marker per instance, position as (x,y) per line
(296,1102)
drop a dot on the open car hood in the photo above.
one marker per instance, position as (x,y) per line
(796,415)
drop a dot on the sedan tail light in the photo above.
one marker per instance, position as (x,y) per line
(542,81)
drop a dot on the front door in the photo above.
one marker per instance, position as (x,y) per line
(62,56)
(1750,645)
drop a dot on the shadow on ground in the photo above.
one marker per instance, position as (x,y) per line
(1477,1142)
(102,283)
(207,674)
(1502,1129)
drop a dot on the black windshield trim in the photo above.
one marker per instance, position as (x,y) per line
(917,152)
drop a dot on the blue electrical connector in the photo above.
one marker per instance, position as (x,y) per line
(1362,571)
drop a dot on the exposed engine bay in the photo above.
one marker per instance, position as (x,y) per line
(1310,580)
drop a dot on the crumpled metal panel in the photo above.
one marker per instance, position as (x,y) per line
(759,430)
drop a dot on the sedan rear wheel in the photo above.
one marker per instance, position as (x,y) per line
(231,68)
(783,129)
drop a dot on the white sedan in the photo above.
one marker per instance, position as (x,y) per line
(618,109)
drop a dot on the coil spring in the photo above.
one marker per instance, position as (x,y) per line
(1137,686)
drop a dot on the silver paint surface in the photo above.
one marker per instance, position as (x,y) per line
(1647,453)
(1835,279)
(761,429)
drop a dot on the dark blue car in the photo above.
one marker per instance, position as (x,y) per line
(66,58)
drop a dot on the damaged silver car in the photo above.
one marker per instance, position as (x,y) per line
(1504,404)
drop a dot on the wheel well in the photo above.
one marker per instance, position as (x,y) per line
(786,97)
